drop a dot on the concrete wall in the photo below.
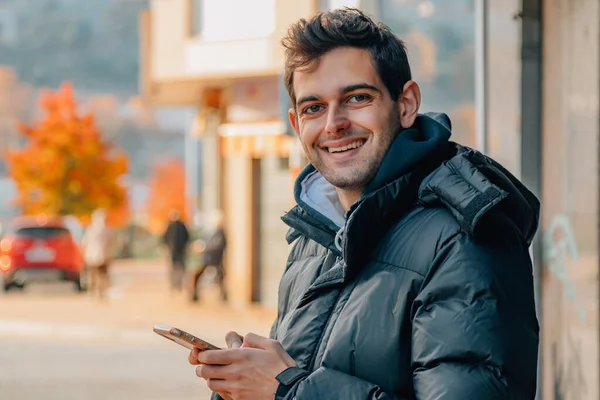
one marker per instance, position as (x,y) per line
(570,335)
(169,31)
(276,198)
(239,217)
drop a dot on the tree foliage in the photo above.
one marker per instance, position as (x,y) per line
(67,168)
(167,192)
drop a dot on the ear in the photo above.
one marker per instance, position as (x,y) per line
(293,120)
(409,103)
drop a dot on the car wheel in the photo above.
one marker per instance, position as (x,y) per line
(80,284)
(9,285)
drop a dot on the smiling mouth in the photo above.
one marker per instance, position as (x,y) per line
(351,146)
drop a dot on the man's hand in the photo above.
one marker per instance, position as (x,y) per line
(246,372)
(232,339)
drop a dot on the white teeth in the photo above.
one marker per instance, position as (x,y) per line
(350,146)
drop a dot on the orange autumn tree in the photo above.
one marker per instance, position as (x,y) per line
(166,192)
(67,168)
(120,215)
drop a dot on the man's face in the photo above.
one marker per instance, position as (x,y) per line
(344,117)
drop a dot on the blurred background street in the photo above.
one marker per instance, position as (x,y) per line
(153,135)
(59,345)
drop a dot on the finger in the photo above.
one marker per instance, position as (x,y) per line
(219,357)
(193,357)
(233,340)
(213,371)
(257,342)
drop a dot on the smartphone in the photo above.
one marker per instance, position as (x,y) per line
(183,338)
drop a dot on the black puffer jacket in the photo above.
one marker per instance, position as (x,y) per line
(425,293)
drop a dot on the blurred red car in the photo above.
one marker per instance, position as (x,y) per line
(40,249)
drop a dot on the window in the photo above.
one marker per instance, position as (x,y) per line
(42,232)
(440,37)
(219,20)
(223,20)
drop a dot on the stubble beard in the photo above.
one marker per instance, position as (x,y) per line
(351,178)
(356,177)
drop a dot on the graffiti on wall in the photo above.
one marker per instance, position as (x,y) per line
(560,251)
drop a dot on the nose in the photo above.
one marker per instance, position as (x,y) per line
(337,120)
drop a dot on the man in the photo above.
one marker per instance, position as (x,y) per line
(213,255)
(176,239)
(410,276)
(97,247)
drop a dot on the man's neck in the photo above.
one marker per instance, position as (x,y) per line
(348,197)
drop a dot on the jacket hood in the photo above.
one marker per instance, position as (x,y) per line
(478,190)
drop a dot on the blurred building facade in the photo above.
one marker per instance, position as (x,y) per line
(228,66)
(519,78)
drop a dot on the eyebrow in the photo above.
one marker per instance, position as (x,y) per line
(306,99)
(358,86)
(342,91)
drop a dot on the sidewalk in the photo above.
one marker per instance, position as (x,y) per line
(139,299)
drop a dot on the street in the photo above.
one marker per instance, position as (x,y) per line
(57,344)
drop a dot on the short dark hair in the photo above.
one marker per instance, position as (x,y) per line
(307,40)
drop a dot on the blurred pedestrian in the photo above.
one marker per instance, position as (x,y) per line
(176,238)
(97,246)
(213,255)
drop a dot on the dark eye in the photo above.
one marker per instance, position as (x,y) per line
(358,98)
(312,109)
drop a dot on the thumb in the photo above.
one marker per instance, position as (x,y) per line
(233,340)
(257,342)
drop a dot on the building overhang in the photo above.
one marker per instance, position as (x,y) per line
(188,91)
